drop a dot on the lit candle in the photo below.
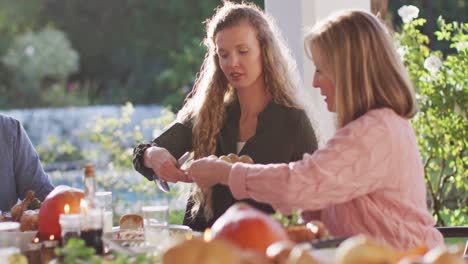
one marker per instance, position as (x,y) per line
(69,226)
(207,234)
(83,206)
(66,209)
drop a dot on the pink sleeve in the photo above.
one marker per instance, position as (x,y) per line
(346,168)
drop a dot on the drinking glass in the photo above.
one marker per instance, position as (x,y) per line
(156,222)
(104,202)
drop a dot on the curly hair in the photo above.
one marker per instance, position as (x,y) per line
(205,105)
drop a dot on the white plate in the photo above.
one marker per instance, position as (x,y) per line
(138,245)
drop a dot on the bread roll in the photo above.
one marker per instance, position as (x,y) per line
(131,221)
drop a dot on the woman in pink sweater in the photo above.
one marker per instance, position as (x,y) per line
(369,178)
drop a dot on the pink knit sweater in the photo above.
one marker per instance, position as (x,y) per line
(368,179)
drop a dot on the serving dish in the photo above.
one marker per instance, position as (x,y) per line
(132,242)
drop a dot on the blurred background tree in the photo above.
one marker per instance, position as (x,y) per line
(145,51)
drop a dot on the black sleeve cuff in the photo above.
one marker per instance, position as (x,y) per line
(138,162)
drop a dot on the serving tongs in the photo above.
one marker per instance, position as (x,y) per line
(183,161)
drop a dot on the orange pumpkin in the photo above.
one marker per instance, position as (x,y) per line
(53,206)
(248,228)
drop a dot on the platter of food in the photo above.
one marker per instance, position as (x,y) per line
(129,237)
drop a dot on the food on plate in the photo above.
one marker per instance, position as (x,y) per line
(29,220)
(308,232)
(279,251)
(246,159)
(25,212)
(131,234)
(444,255)
(300,255)
(198,251)
(29,202)
(362,249)
(287,252)
(131,227)
(54,205)
(131,221)
(233,158)
(248,228)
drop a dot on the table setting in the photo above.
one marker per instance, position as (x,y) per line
(73,224)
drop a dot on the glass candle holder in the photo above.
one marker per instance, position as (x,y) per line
(70,225)
(33,251)
(48,249)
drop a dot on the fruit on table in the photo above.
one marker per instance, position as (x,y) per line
(53,206)
(248,228)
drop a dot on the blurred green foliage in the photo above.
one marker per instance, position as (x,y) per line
(451,10)
(441,125)
(143,51)
(35,58)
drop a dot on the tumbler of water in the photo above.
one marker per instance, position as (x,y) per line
(156,223)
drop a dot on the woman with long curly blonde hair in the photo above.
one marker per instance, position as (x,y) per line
(243,101)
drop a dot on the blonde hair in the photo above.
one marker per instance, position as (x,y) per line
(205,105)
(361,59)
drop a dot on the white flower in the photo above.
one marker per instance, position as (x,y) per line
(402,51)
(408,13)
(462,45)
(432,64)
(459,87)
(29,51)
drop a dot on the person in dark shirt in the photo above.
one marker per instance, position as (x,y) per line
(20,168)
(244,101)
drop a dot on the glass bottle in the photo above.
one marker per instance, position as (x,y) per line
(91,214)
(89,183)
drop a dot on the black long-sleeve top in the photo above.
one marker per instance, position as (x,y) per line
(283,134)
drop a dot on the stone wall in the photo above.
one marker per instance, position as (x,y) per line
(70,121)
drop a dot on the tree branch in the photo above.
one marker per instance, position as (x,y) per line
(439,179)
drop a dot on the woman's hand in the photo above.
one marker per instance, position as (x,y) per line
(209,171)
(164,165)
